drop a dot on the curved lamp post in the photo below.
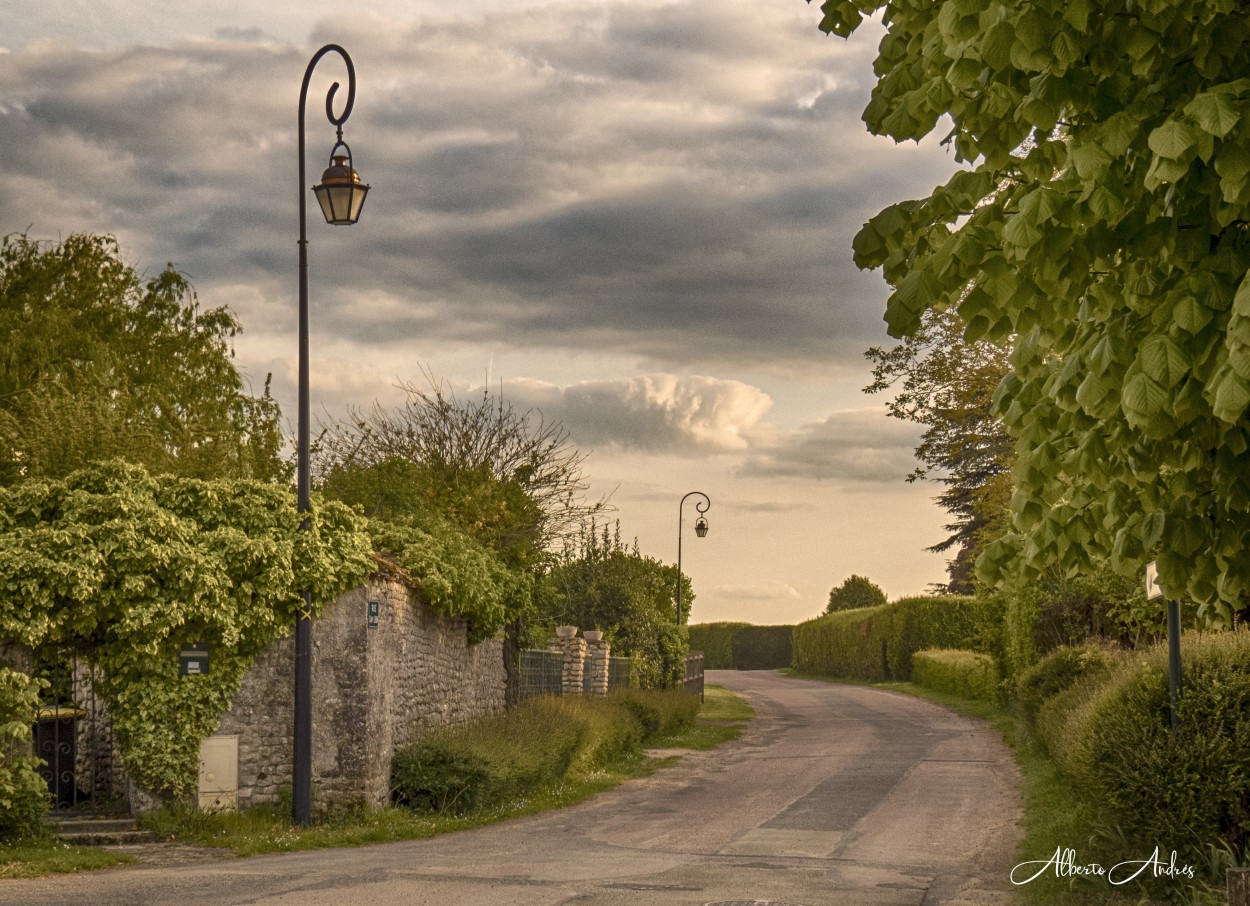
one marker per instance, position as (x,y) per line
(700,529)
(341,195)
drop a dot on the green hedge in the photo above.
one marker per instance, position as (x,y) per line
(763,648)
(1186,789)
(741,646)
(877,643)
(716,641)
(1058,671)
(511,754)
(968,674)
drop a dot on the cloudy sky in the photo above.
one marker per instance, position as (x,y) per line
(633,215)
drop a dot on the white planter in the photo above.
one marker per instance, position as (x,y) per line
(592,635)
(566,632)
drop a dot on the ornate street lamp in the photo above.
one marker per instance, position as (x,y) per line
(341,195)
(700,529)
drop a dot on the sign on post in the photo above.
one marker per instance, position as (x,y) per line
(1154,591)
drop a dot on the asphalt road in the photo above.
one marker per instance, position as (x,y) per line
(835,795)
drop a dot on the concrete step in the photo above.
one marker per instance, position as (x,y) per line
(99,830)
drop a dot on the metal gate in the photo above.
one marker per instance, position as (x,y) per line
(73,736)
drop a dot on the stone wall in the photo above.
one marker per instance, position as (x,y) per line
(373,690)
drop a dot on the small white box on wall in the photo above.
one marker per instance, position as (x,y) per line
(219,773)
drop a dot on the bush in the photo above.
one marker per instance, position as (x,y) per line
(1182,789)
(1058,671)
(510,755)
(657,713)
(968,674)
(24,796)
(877,643)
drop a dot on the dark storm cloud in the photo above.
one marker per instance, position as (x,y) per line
(671,182)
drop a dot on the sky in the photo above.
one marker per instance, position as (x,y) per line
(632,216)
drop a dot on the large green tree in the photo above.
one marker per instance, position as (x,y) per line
(98,362)
(1102,224)
(947,384)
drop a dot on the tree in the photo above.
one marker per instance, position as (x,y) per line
(1102,225)
(97,363)
(947,385)
(855,592)
(602,584)
(510,478)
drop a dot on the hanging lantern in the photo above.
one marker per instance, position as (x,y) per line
(341,194)
(700,527)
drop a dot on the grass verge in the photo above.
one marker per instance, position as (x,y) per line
(36,858)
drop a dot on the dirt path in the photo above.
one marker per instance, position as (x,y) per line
(836,794)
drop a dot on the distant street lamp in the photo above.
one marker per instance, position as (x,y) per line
(341,195)
(700,529)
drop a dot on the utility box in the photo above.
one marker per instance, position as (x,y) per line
(219,774)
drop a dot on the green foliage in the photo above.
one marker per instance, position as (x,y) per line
(855,592)
(496,513)
(631,598)
(741,646)
(99,363)
(509,478)
(539,742)
(877,643)
(458,575)
(1055,611)
(124,568)
(1102,227)
(1182,789)
(716,641)
(968,674)
(24,795)
(947,385)
(763,648)
(659,713)
(1059,671)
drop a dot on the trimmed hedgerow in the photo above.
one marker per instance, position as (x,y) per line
(877,643)
(741,646)
(1181,789)
(968,674)
(716,641)
(763,647)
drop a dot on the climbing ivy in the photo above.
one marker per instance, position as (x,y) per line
(126,567)
(457,575)
(1101,225)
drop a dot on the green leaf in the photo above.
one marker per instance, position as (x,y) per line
(1174,140)
(1144,398)
(1191,315)
(1163,360)
(1231,397)
(1214,112)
